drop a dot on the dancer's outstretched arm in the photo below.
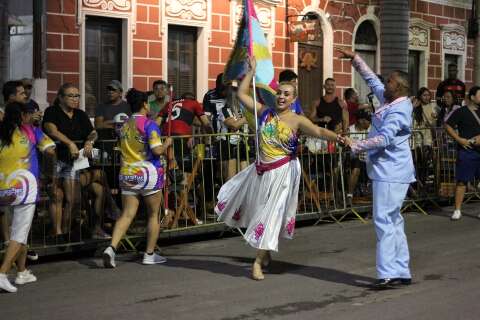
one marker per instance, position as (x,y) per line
(307,127)
(393,123)
(244,89)
(365,72)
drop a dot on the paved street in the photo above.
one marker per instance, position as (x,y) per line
(321,274)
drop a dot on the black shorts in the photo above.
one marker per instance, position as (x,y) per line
(356,163)
(227,151)
(182,154)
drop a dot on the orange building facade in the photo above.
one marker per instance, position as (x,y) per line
(188,42)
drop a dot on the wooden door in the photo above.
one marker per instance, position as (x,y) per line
(414,71)
(310,74)
(103,58)
(182,56)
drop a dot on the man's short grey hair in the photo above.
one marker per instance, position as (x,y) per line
(402,78)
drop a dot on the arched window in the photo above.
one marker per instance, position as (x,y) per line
(366,46)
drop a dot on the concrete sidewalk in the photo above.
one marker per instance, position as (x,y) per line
(321,274)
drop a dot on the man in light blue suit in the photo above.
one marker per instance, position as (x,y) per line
(390,167)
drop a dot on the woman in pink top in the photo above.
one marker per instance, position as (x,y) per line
(141,174)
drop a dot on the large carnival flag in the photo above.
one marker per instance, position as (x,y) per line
(251,41)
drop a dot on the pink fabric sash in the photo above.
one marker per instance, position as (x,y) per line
(264,167)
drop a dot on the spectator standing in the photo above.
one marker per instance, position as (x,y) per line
(424,119)
(28,86)
(33,105)
(233,148)
(329,111)
(161,98)
(447,107)
(353,105)
(213,102)
(452,83)
(290,76)
(184,112)
(358,131)
(12,91)
(466,120)
(19,141)
(115,105)
(71,127)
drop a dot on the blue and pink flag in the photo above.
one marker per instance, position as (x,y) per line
(251,41)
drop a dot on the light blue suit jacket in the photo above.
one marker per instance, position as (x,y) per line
(389,155)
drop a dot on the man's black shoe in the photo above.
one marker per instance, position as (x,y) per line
(387,283)
(403,281)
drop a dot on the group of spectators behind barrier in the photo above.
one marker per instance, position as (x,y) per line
(324,189)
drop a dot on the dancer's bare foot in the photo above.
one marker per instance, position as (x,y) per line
(257,273)
(266,259)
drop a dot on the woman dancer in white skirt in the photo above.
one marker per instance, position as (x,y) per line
(263,197)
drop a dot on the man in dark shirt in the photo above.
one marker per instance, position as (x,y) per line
(452,84)
(32,104)
(467,121)
(330,111)
(183,114)
(115,105)
(214,101)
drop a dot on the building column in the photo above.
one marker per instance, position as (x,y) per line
(476,71)
(394,22)
(4,42)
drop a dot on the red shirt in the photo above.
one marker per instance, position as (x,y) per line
(352,110)
(183,113)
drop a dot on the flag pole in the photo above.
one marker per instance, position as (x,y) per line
(257,144)
(168,151)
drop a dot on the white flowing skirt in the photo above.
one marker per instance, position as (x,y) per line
(264,204)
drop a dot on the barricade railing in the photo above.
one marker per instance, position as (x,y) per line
(334,185)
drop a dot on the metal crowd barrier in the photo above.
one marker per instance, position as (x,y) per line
(205,162)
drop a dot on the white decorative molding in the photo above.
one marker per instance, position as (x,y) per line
(454,42)
(453,38)
(192,13)
(419,34)
(265,15)
(120,5)
(418,37)
(419,40)
(187,9)
(95,7)
(465,4)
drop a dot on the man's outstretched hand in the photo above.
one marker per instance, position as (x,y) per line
(346,54)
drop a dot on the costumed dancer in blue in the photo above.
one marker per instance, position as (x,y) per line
(390,167)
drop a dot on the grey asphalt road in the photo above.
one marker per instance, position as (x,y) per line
(321,274)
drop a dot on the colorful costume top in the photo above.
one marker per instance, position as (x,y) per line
(389,155)
(19,166)
(277,139)
(140,170)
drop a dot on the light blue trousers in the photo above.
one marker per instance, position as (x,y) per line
(392,247)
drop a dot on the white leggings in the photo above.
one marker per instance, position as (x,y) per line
(22,222)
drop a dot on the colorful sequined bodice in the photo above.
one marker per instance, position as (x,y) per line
(277,139)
